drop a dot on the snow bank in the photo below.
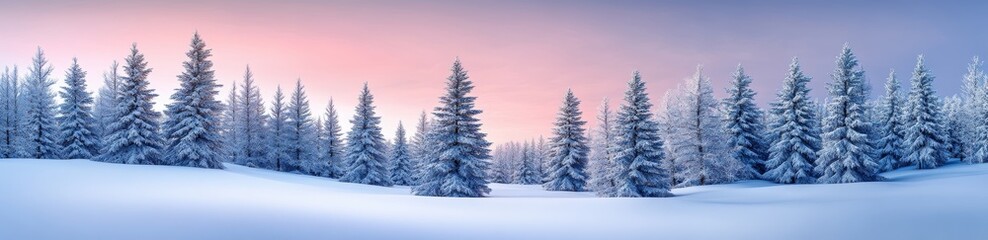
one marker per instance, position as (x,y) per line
(78,199)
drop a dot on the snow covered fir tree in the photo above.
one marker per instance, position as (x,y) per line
(134,137)
(278,133)
(301,132)
(191,133)
(365,159)
(925,143)
(332,143)
(745,126)
(847,155)
(891,126)
(459,166)
(568,162)
(400,165)
(794,130)
(527,168)
(76,136)
(10,113)
(250,122)
(39,125)
(602,152)
(638,147)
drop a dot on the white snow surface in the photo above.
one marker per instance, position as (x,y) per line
(81,199)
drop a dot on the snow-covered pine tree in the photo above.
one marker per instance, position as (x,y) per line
(602,152)
(795,130)
(462,154)
(192,135)
(39,125)
(925,144)
(745,128)
(230,133)
(332,144)
(954,129)
(366,162)
(502,167)
(526,172)
(891,126)
(638,147)
(301,131)
(106,102)
(543,151)
(976,111)
(419,146)
(847,155)
(278,136)
(568,163)
(318,167)
(251,124)
(400,165)
(10,112)
(77,139)
(134,137)
(698,140)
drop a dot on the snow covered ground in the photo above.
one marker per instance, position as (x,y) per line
(79,199)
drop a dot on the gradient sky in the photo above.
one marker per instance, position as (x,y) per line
(522,55)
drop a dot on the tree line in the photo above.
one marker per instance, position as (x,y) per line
(632,152)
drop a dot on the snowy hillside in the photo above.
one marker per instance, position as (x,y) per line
(78,199)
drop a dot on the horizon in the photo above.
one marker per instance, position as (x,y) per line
(521,56)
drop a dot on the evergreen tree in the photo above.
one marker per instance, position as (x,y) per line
(847,154)
(462,154)
(39,125)
(568,162)
(526,172)
(333,143)
(891,127)
(400,165)
(638,147)
(955,128)
(602,153)
(106,102)
(191,131)
(924,140)
(10,114)
(77,141)
(251,123)
(366,162)
(976,106)
(278,154)
(419,146)
(134,137)
(232,136)
(697,139)
(301,137)
(744,125)
(795,130)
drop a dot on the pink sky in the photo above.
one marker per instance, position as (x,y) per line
(521,56)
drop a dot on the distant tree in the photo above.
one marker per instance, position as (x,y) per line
(955,127)
(419,147)
(366,162)
(251,123)
(106,102)
(191,130)
(638,147)
(795,130)
(39,125)
(744,125)
(602,153)
(891,126)
(926,146)
(134,137)
(11,112)
(301,136)
(462,154)
(232,136)
(77,138)
(400,165)
(526,172)
(976,112)
(332,143)
(278,136)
